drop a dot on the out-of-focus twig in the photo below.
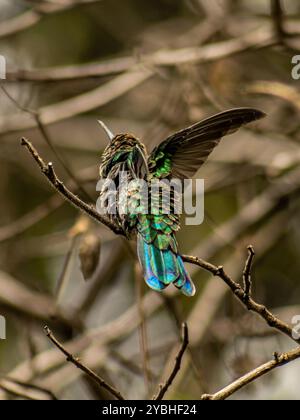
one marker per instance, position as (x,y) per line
(45,135)
(85,369)
(260,38)
(25,390)
(277,89)
(67,266)
(38,213)
(278,19)
(30,219)
(31,303)
(103,276)
(79,104)
(31,17)
(185,341)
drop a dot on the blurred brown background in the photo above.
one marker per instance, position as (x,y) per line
(150,68)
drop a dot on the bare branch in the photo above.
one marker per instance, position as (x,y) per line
(215,291)
(79,104)
(38,213)
(85,369)
(31,17)
(260,38)
(247,301)
(31,218)
(247,272)
(23,389)
(48,140)
(31,303)
(279,360)
(185,341)
(89,209)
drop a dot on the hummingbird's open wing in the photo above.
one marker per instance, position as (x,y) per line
(182,154)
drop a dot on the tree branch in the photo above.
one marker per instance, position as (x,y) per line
(79,104)
(26,390)
(85,369)
(240,293)
(247,272)
(279,360)
(31,17)
(89,209)
(260,38)
(47,138)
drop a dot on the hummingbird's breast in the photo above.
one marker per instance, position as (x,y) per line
(124,163)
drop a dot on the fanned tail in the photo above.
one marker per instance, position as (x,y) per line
(161,265)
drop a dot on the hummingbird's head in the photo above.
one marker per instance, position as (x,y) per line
(120,149)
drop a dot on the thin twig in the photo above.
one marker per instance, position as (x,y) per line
(185,341)
(239,292)
(278,19)
(85,369)
(31,218)
(89,209)
(28,386)
(31,17)
(67,266)
(278,361)
(260,38)
(31,303)
(79,104)
(40,212)
(247,272)
(35,114)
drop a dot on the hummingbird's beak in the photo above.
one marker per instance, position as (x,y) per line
(107,130)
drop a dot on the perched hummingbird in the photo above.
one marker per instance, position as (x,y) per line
(179,156)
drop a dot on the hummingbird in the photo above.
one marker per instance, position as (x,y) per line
(179,156)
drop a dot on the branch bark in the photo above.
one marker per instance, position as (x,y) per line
(278,361)
(245,299)
(85,369)
(89,209)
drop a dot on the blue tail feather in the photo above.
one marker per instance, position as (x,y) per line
(185,283)
(162,267)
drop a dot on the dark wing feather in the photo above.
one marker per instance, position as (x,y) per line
(182,154)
